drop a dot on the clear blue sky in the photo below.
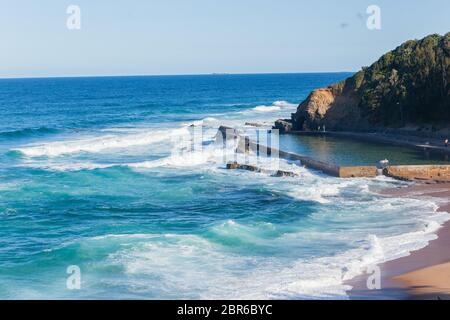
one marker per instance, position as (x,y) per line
(135,37)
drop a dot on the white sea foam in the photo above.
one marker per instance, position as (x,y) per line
(124,137)
(180,156)
(276,106)
(191,266)
(125,130)
(266,108)
(208,121)
(98,144)
(66,166)
(284,104)
(319,194)
(195,266)
(210,154)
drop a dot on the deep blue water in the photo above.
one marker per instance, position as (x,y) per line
(94,173)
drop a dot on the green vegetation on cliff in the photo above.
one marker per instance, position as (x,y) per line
(407,86)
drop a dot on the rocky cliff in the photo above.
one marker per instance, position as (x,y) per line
(407,87)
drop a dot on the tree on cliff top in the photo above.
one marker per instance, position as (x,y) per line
(410,84)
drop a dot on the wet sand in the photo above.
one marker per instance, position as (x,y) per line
(432,282)
(425,274)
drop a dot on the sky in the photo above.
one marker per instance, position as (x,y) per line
(154,37)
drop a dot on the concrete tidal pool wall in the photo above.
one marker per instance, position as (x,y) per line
(439,173)
(358,172)
(420,172)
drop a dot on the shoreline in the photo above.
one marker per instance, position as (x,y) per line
(425,273)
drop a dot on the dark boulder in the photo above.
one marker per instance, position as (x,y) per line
(283,125)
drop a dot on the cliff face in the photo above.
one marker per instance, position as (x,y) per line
(409,86)
(332,107)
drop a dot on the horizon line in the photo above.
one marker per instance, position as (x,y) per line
(166,75)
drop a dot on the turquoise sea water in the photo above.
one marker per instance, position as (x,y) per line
(91,175)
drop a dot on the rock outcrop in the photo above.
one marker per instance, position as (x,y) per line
(274,173)
(283,125)
(407,87)
(333,108)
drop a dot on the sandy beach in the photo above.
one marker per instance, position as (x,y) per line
(425,274)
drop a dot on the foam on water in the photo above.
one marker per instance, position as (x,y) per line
(64,166)
(276,106)
(266,108)
(339,226)
(211,265)
(285,104)
(99,144)
(196,267)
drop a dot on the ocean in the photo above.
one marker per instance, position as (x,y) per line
(93,175)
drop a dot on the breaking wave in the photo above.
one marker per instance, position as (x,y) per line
(98,144)
(201,267)
(276,106)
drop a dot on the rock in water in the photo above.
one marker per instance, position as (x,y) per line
(276,173)
(284,125)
